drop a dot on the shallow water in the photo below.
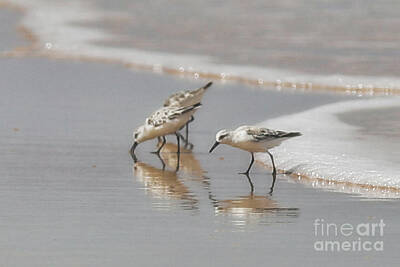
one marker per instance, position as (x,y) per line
(71,195)
(78,40)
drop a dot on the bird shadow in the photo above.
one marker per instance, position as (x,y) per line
(293,169)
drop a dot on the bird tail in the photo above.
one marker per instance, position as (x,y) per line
(201,90)
(197,105)
(292,134)
(207,85)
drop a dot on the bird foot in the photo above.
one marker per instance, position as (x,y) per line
(135,160)
(245,173)
(189,146)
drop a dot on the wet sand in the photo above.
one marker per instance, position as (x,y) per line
(70,194)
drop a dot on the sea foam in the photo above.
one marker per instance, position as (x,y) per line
(56,24)
(331,150)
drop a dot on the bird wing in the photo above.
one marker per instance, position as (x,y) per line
(175,99)
(176,112)
(198,91)
(181,97)
(263,134)
(158,118)
(166,114)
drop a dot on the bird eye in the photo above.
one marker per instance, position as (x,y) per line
(136,135)
(222,137)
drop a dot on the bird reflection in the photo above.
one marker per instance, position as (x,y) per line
(250,208)
(164,184)
(188,163)
(245,210)
(271,189)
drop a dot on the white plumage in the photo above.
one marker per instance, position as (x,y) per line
(253,139)
(184,99)
(164,121)
(187,97)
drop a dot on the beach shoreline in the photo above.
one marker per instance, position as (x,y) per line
(30,47)
(70,193)
(82,48)
(65,152)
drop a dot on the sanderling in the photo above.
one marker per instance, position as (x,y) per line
(164,121)
(253,139)
(187,98)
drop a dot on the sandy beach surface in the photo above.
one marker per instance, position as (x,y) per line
(70,194)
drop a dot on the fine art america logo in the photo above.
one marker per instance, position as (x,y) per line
(333,237)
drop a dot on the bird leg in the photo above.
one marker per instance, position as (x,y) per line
(181,136)
(273,183)
(190,145)
(187,130)
(273,163)
(250,182)
(179,150)
(159,140)
(251,163)
(273,173)
(191,119)
(159,149)
(162,162)
(134,157)
(187,134)
(132,152)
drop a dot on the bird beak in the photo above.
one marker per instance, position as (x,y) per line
(132,151)
(214,146)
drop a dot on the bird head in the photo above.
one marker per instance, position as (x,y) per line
(222,137)
(139,134)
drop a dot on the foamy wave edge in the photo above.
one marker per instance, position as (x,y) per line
(58,36)
(326,155)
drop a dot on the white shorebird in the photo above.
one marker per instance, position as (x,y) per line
(253,139)
(164,121)
(187,98)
